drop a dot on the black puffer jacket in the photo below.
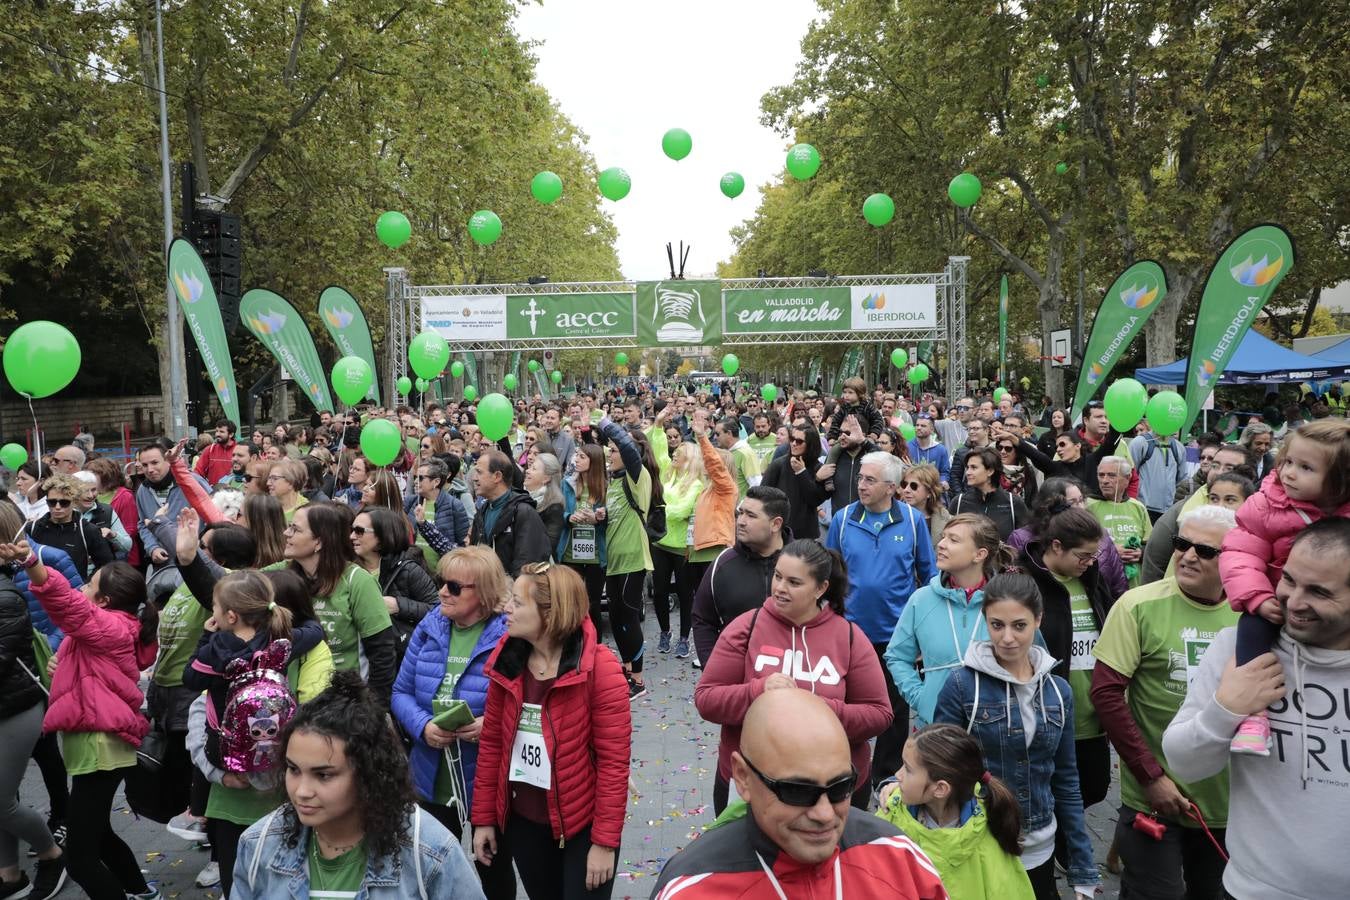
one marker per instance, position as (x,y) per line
(869,419)
(1057,621)
(804,495)
(404,577)
(736,582)
(81,540)
(18,691)
(1006,510)
(518,536)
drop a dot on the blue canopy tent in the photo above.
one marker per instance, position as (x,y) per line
(1336,353)
(1259,360)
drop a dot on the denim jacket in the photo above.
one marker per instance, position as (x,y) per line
(984,699)
(430,864)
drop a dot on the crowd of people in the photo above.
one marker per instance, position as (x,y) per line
(922,631)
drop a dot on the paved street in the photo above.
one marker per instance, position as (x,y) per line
(674,759)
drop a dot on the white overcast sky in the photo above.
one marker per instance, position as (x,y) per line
(624,71)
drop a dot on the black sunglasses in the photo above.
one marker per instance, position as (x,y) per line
(1204,551)
(456,587)
(806,793)
(798,440)
(912,485)
(59,504)
(359,530)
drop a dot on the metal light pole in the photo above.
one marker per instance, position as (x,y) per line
(177,411)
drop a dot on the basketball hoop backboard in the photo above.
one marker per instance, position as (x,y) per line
(1060,349)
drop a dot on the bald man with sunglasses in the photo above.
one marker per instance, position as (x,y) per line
(797,836)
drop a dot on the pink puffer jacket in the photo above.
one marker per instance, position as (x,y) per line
(96,686)
(1255,552)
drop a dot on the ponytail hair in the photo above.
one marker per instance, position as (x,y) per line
(250,595)
(824,565)
(947,753)
(984,535)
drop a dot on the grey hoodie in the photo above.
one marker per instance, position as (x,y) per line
(1286,812)
(980,657)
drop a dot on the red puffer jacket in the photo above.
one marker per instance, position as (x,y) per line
(588,729)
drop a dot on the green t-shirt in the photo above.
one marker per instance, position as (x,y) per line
(353,611)
(681,497)
(462,642)
(1122,522)
(763,448)
(432,557)
(180,626)
(339,878)
(1157,636)
(1081,660)
(242,806)
(95,751)
(626,547)
(747,467)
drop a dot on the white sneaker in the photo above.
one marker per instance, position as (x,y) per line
(187,827)
(209,876)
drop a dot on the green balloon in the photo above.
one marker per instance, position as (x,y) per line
(620,358)
(731,364)
(907,431)
(546,187)
(393,229)
(470,393)
(1166,412)
(457,369)
(510,382)
(1042,80)
(556,376)
(615,183)
(676,143)
(381,442)
(494,417)
(13,456)
(878,210)
(422,385)
(899,358)
(964,190)
(41,358)
(485,227)
(732,184)
(1061,168)
(533,365)
(404,385)
(999,394)
(352,379)
(1125,401)
(803,161)
(769,392)
(918,375)
(428,353)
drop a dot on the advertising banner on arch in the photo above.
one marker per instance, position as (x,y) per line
(1242,280)
(201,311)
(679,313)
(283,332)
(346,324)
(1127,305)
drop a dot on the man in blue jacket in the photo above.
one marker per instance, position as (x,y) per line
(889,555)
(925,447)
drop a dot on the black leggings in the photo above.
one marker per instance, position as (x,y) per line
(664,564)
(224,838)
(499,879)
(97,859)
(1043,881)
(625,616)
(1255,636)
(47,754)
(550,872)
(593,574)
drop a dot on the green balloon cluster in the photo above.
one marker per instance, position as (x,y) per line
(676,143)
(404,385)
(41,358)
(732,184)
(494,416)
(899,358)
(614,183)
(393,229)
(964,190)
(918,375)
(731,364)
(457,369)
(546,187)
(769,392)
(422,385)
(533,365)
(620,358)
(427,354)
(1125,402)
(380,442)
(556,376)
(1166,412)
(12,456)
(470,393)
(803,161)
(352,378)
(485,227)
(878,210)
(510,382)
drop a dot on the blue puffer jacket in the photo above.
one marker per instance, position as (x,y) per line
(938,624)
(61,562)
(420,678)
(451,518)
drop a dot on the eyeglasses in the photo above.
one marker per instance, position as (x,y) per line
(1204,551)
(426,477)
(1006,448)
(911,485)
(868,479)
(1086,558)
(538,568)
(805,793)
(359,530)
(457,587)
(1096,404)
(59,504)
(960,408)
(797,440)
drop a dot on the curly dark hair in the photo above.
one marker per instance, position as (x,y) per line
(348,712)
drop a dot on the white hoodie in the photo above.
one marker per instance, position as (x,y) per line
(1288,813)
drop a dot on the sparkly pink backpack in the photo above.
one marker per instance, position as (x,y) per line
(259,705)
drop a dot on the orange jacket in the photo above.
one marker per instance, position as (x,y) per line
(715,513)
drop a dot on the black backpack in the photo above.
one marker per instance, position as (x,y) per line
(654,523)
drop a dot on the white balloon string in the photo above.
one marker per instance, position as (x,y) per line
(37,435)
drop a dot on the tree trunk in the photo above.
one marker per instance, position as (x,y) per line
(1050,306)
(1160,333)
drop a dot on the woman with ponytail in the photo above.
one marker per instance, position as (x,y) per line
(799,639)
(350,827)
(964,818)
(944,616)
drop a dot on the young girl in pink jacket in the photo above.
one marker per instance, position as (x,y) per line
(1310,481)
(95,705)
